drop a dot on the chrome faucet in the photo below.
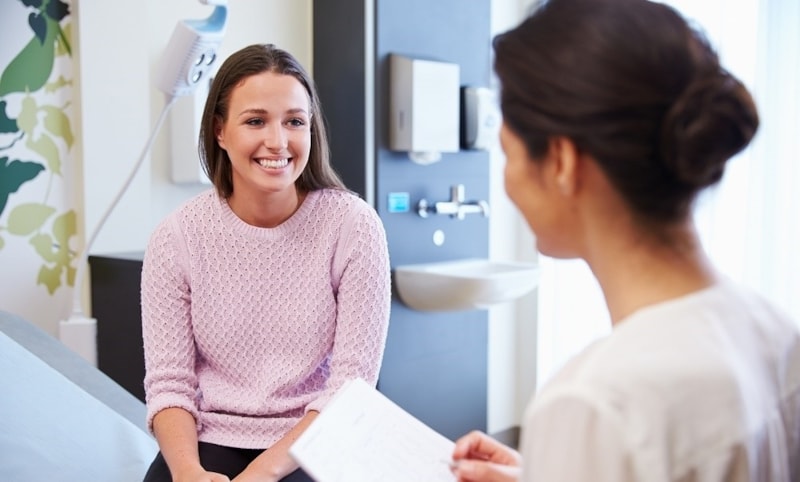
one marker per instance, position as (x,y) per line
(456,207)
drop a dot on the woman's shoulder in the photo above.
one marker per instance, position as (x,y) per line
(342,200)
(191,212)
(196,206)
(724,337)
(203,201)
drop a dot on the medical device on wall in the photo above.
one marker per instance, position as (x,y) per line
(186,63)
(187,67)
(191,53)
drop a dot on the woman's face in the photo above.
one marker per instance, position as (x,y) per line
(267,134)
(531,186)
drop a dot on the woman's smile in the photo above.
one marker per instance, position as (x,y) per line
(273,163)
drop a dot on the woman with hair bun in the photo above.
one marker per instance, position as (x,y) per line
(616,115)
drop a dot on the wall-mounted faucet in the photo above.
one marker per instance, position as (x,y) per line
(456,207)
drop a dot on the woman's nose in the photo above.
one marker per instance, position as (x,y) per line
(274,136)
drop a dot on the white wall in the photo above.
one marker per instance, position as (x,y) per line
(512,327)
(119,104)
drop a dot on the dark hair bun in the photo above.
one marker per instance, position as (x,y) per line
(711,121)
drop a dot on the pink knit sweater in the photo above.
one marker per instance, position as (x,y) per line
(248,328)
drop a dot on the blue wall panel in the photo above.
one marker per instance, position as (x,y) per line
(436,363)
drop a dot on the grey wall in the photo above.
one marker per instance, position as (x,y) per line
(436,363)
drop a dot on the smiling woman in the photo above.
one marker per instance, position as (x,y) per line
(260,297)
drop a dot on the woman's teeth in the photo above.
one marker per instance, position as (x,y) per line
(273,163)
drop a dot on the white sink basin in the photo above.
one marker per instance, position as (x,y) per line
(463,284)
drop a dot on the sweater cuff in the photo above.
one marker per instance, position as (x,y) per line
(165,402)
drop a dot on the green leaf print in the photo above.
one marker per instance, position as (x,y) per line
(57,123)
(45,147)
(64,228)
(38,24)
(29,70)
(43,244)
(37,4)
(26,218)
(6,125)
(59,83)
(50,277)
(55,249)
(63,46)
(13,175)
(57,10)
(27,119)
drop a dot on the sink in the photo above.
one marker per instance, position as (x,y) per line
(463,284)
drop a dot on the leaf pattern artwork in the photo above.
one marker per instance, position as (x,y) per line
(40,133)
(6,125)
(13,175)
(54,249)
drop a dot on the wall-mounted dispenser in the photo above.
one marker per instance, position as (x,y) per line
(480,118)
(424,108)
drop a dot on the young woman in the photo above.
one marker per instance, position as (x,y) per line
(262,296)
(616,115)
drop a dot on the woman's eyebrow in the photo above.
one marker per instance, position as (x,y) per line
(260,111)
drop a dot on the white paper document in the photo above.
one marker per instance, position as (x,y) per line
(362,436)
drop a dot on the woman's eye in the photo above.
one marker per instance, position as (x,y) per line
(255,122)
(297,122)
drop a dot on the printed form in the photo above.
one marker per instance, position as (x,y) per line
(362,436)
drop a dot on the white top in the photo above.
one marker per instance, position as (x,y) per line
(704,388)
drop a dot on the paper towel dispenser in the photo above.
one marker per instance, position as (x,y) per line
(425,101)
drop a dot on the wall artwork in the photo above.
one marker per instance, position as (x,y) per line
(38,222)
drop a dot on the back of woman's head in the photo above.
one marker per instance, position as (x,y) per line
(252,60)
(635,87)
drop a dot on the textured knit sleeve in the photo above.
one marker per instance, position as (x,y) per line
(169,351)
(363,302)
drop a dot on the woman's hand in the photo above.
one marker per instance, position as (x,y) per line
(480,458)
(251,476)
(202,476)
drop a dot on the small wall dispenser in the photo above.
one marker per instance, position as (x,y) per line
(424,108)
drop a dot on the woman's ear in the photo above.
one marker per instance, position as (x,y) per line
(218,133)
(567,158)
